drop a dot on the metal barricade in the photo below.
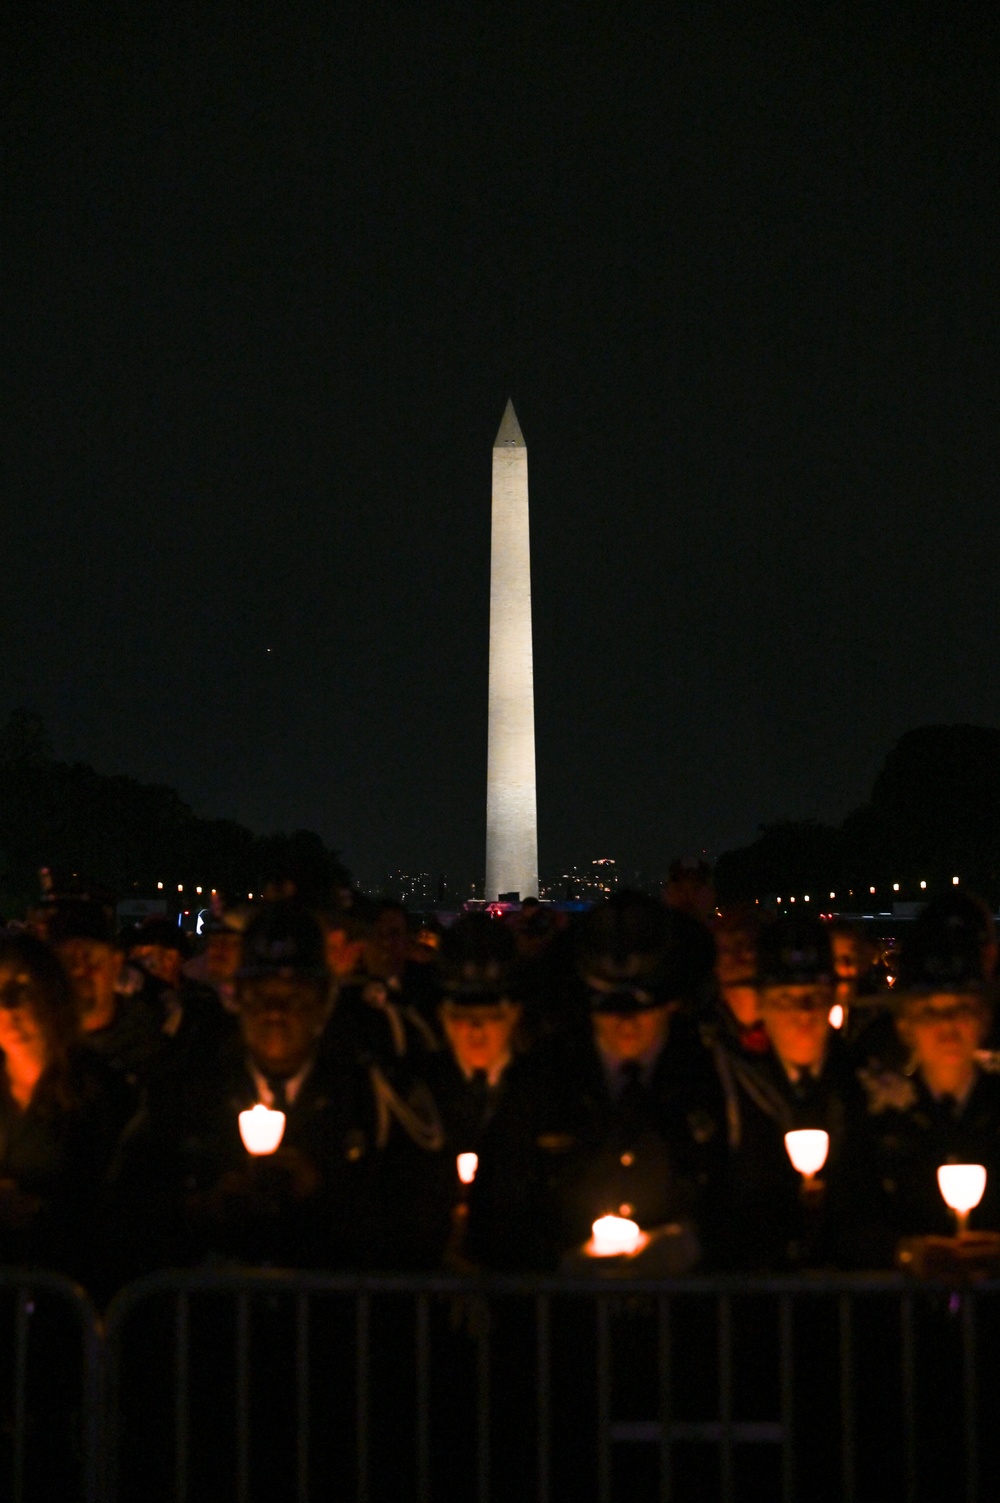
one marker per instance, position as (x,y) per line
(306,1385)
(50,1410)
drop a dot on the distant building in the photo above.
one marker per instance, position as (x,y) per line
(589,883)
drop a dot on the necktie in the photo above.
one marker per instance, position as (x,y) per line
(279,1094)
(632,1101)
(479,1096)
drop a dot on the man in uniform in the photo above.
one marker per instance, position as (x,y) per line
(348,1184)
(805,1080)
(493,1102)
(121,1027)
(638,1135)
(943,1106)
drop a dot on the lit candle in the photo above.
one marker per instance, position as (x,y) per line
(467,1163)
(962,1187)
(261,1129)
(613,1236)
(807,1148)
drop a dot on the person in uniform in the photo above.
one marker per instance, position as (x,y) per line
(347,1185)
(388,1002)
(493,1102)
(943,1106)
(634,1134)
(62,1111)
(190,1012)
(805,1080)
(118,1022)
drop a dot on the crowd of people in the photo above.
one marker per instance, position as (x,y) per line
(477,1096)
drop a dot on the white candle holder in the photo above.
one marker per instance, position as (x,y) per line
(615,1237)
(261,1129)
(962,1187)
(807,1148)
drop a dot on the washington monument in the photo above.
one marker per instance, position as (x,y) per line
(511,812)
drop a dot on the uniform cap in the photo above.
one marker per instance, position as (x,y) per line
(635,954)
(476,961)
(283,939)
(944,949)
(794,952)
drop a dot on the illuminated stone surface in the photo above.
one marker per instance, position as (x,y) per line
(511,810)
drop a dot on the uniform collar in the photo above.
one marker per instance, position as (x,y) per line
(293,1084)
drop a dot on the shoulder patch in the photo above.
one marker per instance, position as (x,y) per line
(887,1090)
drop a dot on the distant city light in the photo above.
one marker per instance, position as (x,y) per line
(180,887)
(871,889)
(198,891)
(836,1016)
(895,887)
(791,900)
(923,884)
(250,896)
(954,881)
(806,898)
(159,886)
(833,894)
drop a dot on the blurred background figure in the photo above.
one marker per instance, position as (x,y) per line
(121,1026)
(218,961)
(737,931)
(189,1012)
(690,888)
(62,1111)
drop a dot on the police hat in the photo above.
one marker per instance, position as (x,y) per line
(476,961)
(283,939)
(943,952)
(794,952)
(157,929)
(634,954)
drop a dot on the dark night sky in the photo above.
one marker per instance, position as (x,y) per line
(269,273)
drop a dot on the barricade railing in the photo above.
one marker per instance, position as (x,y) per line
(302,1385)
(50,1389)
(252,1385)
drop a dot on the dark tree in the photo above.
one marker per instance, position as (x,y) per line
(124,837)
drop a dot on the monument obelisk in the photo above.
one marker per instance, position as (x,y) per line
(511,810)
